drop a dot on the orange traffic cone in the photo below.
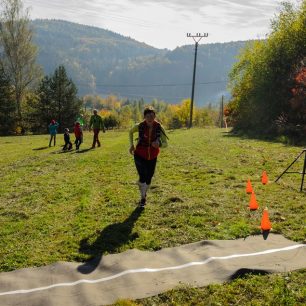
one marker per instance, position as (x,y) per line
(249,188)
(253,202)
(264,178)
(265,221)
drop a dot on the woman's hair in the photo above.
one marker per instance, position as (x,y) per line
(149,110)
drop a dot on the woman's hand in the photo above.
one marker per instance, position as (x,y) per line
(155,144)
(132,149)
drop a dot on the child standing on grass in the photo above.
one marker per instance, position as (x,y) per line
(78,133)
(53,131)
(67,140)
(151,136)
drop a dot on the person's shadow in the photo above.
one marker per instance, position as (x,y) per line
(110,239)
(40,148)
(83,151)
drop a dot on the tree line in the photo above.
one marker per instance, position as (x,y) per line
(123,113)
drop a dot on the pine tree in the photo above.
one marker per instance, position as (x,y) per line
(64,94)
(57,100)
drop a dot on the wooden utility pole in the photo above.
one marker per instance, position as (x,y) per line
(196,39)
(222,113)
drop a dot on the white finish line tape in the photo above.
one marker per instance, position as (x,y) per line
(148,270)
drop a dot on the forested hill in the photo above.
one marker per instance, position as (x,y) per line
(103,62)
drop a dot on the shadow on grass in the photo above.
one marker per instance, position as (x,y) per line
(72,151)
(15,216)
(285,140)
(41,148)
(83,151)
(244,272)
(246,136)
(61,151)
(110,239)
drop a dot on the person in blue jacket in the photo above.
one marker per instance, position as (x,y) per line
(53,131)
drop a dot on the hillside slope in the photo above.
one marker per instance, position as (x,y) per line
(104,62)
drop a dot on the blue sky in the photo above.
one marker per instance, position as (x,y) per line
(164,24)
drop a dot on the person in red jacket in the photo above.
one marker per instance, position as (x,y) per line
(78,133)
(151,136)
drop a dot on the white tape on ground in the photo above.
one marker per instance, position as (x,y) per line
(148,270)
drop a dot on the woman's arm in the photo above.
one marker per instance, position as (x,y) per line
(133,130)
(163,137)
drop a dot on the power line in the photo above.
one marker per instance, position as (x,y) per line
(143,96)
(152,97)
(149,85)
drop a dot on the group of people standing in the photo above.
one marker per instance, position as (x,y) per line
(96,123)
(151,137)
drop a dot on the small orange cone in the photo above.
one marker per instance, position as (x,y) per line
(265,221)
(253,202)
(249,188)
(264,178)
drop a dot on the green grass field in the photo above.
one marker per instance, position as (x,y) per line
(72,206)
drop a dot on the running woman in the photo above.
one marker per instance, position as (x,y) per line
(151,136)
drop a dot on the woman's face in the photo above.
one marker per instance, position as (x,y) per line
(149,118)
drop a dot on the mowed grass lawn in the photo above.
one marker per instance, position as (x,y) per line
(72,206)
